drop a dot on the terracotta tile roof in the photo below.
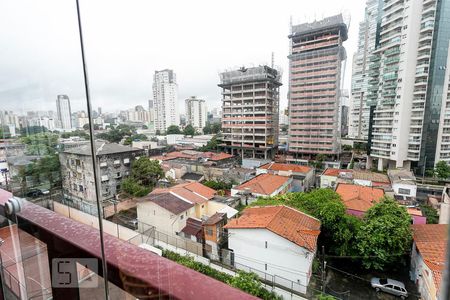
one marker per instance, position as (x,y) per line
(414,211)
(264,184)
(286,167)
(167,201)
(216,156)
(194,192)
(431,242)
(335,172)
(358,197)
(291,224)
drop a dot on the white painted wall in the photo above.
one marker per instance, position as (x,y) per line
(411,187)
(164,221)
(281,257)
(422,276)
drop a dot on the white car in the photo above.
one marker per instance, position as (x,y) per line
(390,286)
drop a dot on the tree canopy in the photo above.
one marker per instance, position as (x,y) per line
(145,173)
(173,129)
(115,135)
(379,239)
(212,145)
(135,137)
(442,170)
(189,130)
(385,234)
(213,128)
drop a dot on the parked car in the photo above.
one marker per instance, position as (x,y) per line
(390,286)
(34,193)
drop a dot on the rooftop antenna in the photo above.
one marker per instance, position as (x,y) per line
(273,59)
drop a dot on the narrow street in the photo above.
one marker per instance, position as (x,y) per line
(355,287)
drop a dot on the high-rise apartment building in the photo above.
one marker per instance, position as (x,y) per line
(64,112)
(315,66)
(250,111)
(165,98)
(196,112)
(358,126)
(407,84)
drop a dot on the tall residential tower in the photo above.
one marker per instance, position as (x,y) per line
(64,112)
(196,112)
(407,85)
(367,41)
(165,99)
(250,111)
(315,65)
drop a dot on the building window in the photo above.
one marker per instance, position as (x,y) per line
(209,231)
(404,191)
(80,188)
(181,217)
(265,244)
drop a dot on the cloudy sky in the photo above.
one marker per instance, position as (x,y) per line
(127,40)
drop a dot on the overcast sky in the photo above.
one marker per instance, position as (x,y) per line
(127,40)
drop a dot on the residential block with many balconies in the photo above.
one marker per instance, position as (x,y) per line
(315,64)
(250,107)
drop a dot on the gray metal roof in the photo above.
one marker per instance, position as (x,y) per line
(102,149)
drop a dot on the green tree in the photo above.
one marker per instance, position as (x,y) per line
(189,130)
(173,129)
(338,228)
(145,173)
(212,145)
(136,137)
(430,213)
(442,170)
(385,235)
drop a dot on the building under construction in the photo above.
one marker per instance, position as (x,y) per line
(250,111)
(315,62)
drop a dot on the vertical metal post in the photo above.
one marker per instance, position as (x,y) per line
(93,152)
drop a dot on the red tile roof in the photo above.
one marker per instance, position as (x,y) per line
(264,184)
(291,224)
(431,242)
(194,192)
(216,156)
(335,172)
(357,197)
(286,167)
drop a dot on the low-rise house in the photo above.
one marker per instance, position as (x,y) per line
(263,185)
(215,234)
(193,230)
(358,199)
(277,240)
(167,209)
(428,258)
(303,176)
(331,177)
(403,182)
(77,172)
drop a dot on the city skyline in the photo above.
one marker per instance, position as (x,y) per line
(117,79)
